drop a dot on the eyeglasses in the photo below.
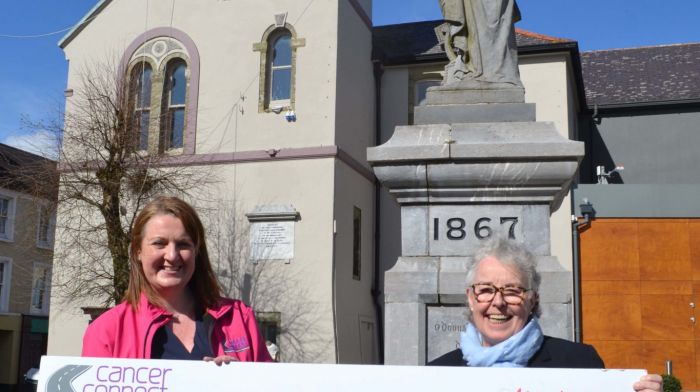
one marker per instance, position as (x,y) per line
(512,295)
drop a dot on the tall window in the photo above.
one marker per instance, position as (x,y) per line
(141,97)
(163,69)
(5,272)
(45,228)
(7,213)
(280,68)
(278,49)
(40,288)
(356,243)
(174,104)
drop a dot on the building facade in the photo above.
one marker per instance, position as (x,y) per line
(279,101)
(26,242)
(639,255)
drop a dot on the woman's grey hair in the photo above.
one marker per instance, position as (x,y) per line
(511,253)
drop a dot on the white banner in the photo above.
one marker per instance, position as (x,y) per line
(75,374)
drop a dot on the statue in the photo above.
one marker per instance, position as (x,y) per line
(479,39)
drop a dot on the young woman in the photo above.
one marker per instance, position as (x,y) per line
(173,307)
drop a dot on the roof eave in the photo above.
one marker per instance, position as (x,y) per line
(645,105)
(82,23)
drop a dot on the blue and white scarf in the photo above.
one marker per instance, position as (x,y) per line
(515,351)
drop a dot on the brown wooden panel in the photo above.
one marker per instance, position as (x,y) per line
(610,287)
(673,287)
(619,354)
(609,250)
(664,252)
(611,317)
(697,366)
(694,243)
(696,312)
(681,352)
(666,317)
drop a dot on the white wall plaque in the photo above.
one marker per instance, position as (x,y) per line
(271,241)
(272,232)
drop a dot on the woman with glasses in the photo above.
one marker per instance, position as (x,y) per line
(503,328)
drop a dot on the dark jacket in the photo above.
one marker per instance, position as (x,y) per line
(554,353)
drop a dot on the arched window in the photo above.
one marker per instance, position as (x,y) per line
(162,65)
(174,98)
(140,96)
(280,67)
(278,49)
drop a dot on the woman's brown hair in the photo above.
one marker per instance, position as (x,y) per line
(203,286)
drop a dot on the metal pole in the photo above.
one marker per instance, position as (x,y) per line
(669,367)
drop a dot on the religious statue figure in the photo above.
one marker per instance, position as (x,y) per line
(480,43)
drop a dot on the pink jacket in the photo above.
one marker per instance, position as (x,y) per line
(123,332)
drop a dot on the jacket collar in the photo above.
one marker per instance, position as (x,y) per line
(221,308)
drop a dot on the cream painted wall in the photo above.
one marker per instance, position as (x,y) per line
(549,84)
(304,295)
(224,33)
(353,298)
(307,185)
(355,119)
(228,120)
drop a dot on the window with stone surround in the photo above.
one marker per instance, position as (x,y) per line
(278,54)
(140,81)
(5,275)
(7,216)
(41,281)
(174,94)
(45,227)
(159,80)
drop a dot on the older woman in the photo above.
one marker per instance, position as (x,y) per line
(502,293)
(173,307)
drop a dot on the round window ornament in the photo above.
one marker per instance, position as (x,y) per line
(159,48)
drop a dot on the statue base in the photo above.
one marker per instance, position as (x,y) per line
(471,91)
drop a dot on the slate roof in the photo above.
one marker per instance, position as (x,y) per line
(23,171)
(645,75)
(414,42)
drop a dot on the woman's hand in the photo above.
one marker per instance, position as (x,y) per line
(649,383)
(221,359)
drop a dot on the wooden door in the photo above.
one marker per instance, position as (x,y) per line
(640,280)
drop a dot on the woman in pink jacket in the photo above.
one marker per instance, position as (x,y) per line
(173,307)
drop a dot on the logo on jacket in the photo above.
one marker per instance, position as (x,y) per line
(236,345)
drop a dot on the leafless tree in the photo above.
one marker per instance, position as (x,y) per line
(269,286)
(103,179)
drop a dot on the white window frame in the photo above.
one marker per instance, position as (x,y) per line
(6,262)
(48,244)
(44,309)
(9,234)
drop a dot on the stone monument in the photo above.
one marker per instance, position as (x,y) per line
(475,164)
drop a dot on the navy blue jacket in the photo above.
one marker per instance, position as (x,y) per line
(554,353)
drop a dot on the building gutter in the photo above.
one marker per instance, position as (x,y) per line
(576,225)
(376,290)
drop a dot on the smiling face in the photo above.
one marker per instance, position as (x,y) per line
(167,255)
(496,320)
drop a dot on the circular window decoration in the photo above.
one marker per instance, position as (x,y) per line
(159,48)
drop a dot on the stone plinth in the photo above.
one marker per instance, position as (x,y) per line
(459,183)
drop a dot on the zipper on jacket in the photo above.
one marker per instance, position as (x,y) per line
(148,332)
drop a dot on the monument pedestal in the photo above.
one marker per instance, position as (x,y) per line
(491,170)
